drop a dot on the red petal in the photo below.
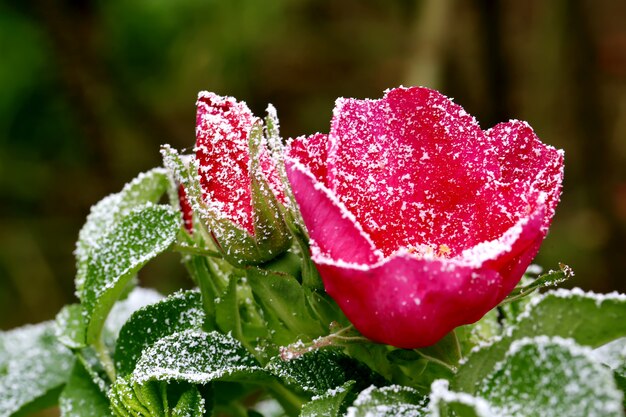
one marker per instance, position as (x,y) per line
(222,128)
(409,302)
(185,207)
(414,168)
(333,231)
(531,172)
(312,152)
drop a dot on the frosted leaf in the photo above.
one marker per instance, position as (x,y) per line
(156,398)
(613,355)
(320,370)
(444,402)
(588,318)
(178,312)
(32,363)
(551,377)
(81,397)
(70,326)
(196,357)
(136,238)
(122,310)
(148,187)
(391,401)
(329,404)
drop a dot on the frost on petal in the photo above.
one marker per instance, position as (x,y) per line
(334,231)
(186,209)
(531,172)
(222,128)
(409,302)
(312,152)
(415,169)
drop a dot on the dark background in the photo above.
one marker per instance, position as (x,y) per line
(90,89)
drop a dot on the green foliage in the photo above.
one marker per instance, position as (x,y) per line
(389,401)
(590,319)
(138,237)
(197,357)
(108,212)
(81,397)
(321,370)
(551,377)
(181,311)
(32,364)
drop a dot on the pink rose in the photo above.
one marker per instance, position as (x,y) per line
(241,189)
(419,221)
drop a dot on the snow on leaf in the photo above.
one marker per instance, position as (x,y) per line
(329,404)
(443,402)
(180,311)
(196,357)
(32,363)
(148,187)
(588,318)
(391,401)
(320,370)
(136,238)
(551,376)
(81,397)
(123,309)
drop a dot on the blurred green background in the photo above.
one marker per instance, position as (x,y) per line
(91,88)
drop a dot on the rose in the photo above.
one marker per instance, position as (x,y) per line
(419,221)
(241,190)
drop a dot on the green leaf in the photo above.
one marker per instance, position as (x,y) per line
(551,377)
(281,295)
(81,397)
(190,403)
(137,238)
(156,399)
(590,319)
(331,404)
(444,402)
(123,310)
(148,187)
(71,326)
(197,357)
(178,312)
(613,355)
(321,370)
(32,364)
(391,401)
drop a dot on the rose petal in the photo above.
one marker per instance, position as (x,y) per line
(332,229)
(185,208)
(409,302)
(222,128)
(415,169)
(312,152)
(531,172)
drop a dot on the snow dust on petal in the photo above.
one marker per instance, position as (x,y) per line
(415,169)
(409,302)
(531,172)
(222,129)
(333,230)
(185,208)
(311,151)
(511,253)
